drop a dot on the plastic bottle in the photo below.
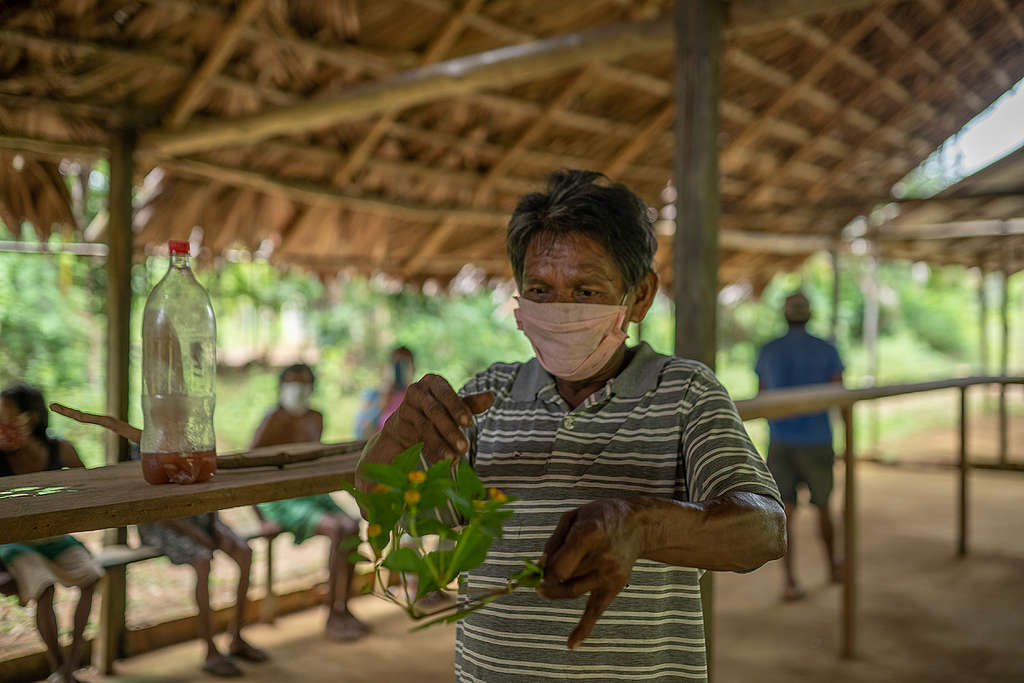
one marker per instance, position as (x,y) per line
(179,370)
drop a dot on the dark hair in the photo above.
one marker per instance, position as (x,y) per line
(297,367)
(579,202)
(30,400)
(402,350)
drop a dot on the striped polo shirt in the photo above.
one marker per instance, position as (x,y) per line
(664,427)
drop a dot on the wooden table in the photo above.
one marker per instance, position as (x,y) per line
(51,503)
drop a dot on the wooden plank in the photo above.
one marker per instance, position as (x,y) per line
(219,53)
(1004,362)
(698,53)
(55,150)
(961,527)
(51,503)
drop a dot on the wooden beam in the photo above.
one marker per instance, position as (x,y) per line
(953,230)
(53,150)
(221,50)
(316,194)
(698,28)
(440,234)
(507,66)
(437,48)
(757,15)
(774,243)
(76,248)
(635,147)
(698,53)
(111,628)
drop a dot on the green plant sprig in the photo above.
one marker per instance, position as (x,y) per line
(406,501)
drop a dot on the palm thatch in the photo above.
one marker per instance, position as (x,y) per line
(396,135)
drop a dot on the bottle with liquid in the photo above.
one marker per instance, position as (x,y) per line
(179,369)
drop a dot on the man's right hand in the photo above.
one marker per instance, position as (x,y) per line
(433,413)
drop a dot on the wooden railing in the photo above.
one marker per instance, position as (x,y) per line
(801,400)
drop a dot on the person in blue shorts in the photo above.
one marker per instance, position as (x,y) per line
(800,448)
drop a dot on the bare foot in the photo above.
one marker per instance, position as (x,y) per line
(345,628)
(792,593)
(434,600)
(243,650)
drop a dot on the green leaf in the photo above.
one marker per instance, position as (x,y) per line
(391,475)
(403,560)
(409,459)
(349,542)
(430,525)
(468,484)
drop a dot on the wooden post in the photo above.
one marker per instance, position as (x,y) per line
(848,647)
(268,608)
(982,326)
(961,535)
(1004,362)
(698,43)
(871,310)
(834,326)
(110,632)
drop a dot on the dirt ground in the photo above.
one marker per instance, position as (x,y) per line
(924,615)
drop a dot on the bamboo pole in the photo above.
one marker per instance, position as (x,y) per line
(834,325)
(698,51)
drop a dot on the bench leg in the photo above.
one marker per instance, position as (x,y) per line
(109,644)
(268,608)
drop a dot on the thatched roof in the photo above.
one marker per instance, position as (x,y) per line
(986,229)
(307,125)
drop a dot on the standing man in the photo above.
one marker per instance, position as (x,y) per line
(293,421)
(632,470)
(800,451)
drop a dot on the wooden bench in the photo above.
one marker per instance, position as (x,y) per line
(114,556)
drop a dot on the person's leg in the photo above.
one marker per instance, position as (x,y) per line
(819,464)
(786,475)
(216,662)
(239,551)
(46,623)
(341,624)
(82,611)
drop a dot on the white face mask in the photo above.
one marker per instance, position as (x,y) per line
(295,397)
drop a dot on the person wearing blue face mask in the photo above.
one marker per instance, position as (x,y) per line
(632,470)
(292,420)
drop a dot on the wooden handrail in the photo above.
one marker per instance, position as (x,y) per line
(811,399)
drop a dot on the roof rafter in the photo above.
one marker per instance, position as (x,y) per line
(215,59)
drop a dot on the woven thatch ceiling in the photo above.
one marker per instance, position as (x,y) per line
(307,123)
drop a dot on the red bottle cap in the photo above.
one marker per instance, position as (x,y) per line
(176,247)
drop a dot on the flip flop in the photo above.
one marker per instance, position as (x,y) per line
(249,653)
(222,667)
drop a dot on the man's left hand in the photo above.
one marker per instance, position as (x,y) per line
(592,550)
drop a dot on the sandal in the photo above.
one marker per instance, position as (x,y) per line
(222,667)
(248,653)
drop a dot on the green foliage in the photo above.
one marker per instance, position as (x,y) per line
(406,501)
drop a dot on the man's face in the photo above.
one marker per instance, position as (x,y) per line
(295,392)
(570,268)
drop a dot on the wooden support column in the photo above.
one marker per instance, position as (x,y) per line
(834,325)
(961,529)
(982,325)
(698,43)
(1004,362)
(871,316)
(111,629)
(848,641)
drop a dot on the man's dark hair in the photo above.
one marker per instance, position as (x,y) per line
(297,367)
(30,400)
(585,202)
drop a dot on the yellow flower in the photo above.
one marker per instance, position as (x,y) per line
(417,476)
(373,530)
(479,504)
(497,494)
(382,488)
(412,497)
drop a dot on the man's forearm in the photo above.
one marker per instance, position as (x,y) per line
(735,532)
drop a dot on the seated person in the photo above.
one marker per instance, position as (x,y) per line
(192,540)
(292,421)
(37,566)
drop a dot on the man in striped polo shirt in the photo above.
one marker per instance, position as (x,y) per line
(632,470)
